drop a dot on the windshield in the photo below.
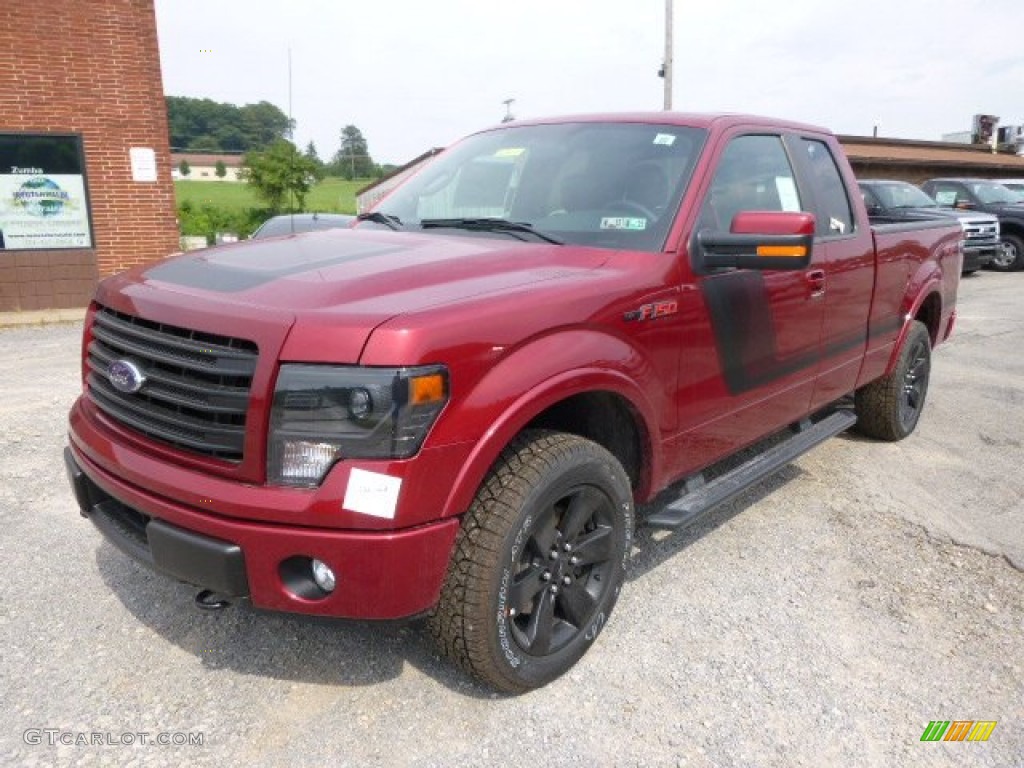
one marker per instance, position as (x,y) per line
(1016,188)
(609,185)
(988,193)
(902,196)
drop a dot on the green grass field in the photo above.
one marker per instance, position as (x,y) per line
(332,195)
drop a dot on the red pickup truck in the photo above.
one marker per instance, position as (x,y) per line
(452,408)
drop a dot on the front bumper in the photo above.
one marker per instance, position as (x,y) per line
(380,575)
(978,257)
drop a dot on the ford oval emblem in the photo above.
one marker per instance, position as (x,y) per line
(125,376)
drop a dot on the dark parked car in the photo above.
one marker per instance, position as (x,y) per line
(889,202)
(988,197)
(294,223)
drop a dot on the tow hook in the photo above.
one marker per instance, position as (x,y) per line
(207,600)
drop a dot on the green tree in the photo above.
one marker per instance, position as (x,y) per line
(211,126)
(353,160)
(312,155)
(204,143)
(220,169)
(262,124)
(279,175)
(184,168)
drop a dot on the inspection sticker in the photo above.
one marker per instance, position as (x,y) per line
(623,222)
(372,493)
(666,139)
(510,152)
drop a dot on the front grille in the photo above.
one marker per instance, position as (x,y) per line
(196,390)
(981,232)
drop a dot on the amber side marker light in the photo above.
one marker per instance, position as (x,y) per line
(426,389)
(796,251)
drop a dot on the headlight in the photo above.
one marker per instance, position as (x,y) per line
(323,413)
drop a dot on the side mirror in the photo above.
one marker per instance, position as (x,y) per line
(874,210)
(759,240)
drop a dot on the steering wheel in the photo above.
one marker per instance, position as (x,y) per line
(633,207)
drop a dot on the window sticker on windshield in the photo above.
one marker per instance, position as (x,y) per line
(788,198)
(665,138)
(510,152)
(623,222)
(946,197)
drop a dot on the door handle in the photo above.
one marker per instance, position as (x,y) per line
(816,282)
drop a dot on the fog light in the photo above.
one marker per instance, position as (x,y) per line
(323,576)
(304,462)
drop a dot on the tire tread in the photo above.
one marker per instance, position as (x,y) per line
(457,624)
(877,404)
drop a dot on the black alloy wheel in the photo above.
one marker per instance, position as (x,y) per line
(538,563)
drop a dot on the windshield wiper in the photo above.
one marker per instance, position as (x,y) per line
(377,217)
(490,225)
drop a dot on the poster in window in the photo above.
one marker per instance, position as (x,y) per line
(43,200)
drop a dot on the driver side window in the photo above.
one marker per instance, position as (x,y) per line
(753,174)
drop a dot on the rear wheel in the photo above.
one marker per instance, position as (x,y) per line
(1009,257)
(538,563)
(889,408)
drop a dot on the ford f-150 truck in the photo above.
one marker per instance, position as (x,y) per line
(893,201)
(987,197)
(452,409)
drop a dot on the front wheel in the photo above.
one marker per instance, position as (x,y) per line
(538,563)
(889,408)
(1010,256)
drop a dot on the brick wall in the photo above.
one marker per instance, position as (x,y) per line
(90,67)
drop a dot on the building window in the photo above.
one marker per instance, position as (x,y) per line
(44,201)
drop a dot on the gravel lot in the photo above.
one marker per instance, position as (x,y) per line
(824,619)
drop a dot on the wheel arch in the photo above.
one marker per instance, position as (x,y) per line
(601,404)
(923,303)
(1015,228)
(929,312)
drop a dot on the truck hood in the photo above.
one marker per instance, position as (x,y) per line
(1015,210)
(349,281)
(931,213)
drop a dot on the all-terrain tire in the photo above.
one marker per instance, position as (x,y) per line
(889,408)
(538,562)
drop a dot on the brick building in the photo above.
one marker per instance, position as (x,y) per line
(85,173)
(916,161)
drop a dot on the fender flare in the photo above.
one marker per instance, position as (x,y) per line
(507,418)
(925,283)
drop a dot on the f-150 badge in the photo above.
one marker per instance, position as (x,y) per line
(652,311)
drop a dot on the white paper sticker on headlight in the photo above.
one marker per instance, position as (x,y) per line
(371,493)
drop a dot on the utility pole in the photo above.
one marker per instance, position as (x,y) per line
(666,67)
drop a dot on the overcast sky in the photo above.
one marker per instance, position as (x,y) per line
(418,74)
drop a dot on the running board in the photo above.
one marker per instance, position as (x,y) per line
(701,497)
